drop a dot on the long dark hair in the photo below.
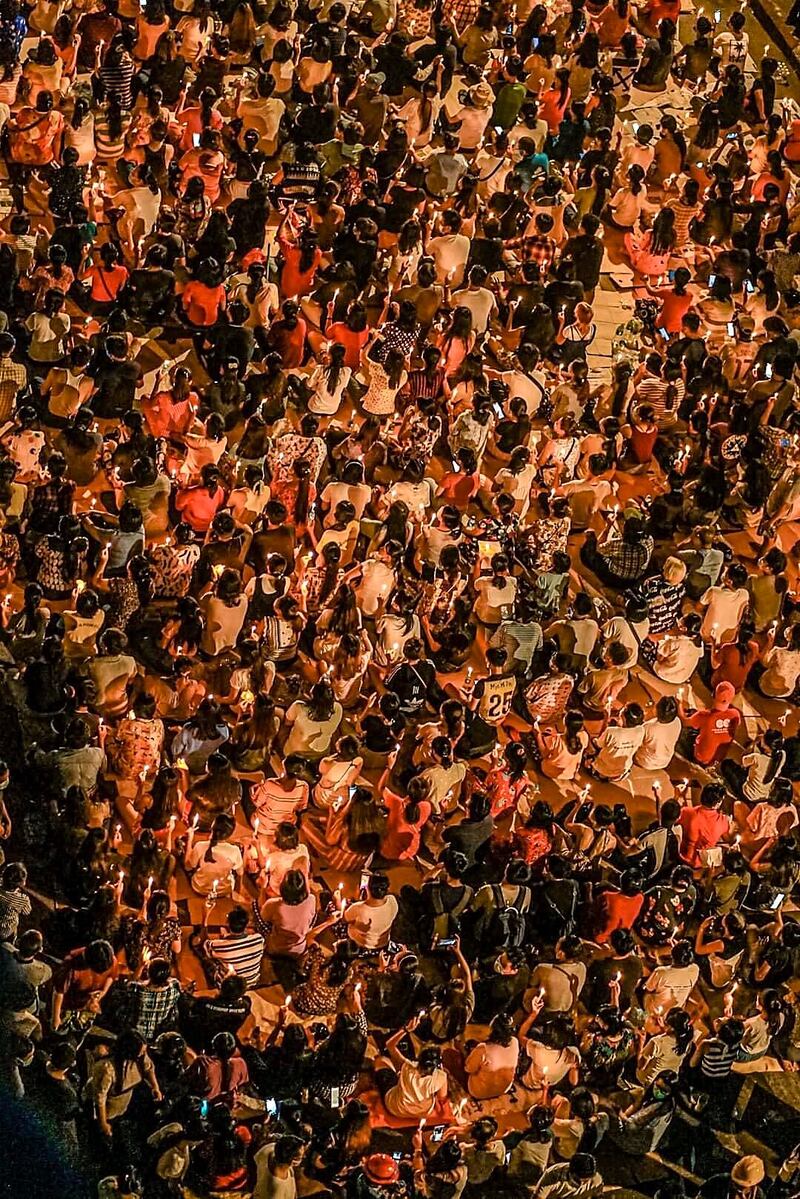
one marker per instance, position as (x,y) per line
(342,1055)
(334,369)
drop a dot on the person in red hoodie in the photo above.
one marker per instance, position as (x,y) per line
(619,909)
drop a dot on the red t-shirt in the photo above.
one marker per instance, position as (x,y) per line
(198,507)
(107,284)
(353,342)
(703,828)
(717,728)
(295,282)
(642,442)
(618,911)
(731,668)
(166,418)
(673,310)
(202,303)
(289,343)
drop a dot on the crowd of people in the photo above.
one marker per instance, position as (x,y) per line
(400,666)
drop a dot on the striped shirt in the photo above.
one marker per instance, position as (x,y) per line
(13,904)
(717,1059)
(241,952)
(117,78)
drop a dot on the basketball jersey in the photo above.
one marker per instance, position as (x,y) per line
(495,702)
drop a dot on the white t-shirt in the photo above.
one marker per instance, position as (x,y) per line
(724,610)
(618,746)
(308,736)
(442,780)
(481,303)
(782,670)
(492,603)
(227,859)
(619,629)
(358,494)
(414,1096)
(375,586)
(369,926)
(677,659)
(658,744)
(450,253)
(670,986)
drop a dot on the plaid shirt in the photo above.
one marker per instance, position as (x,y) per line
(12,379)
(539,248)
(627,560)
(156,1010)
(462,12)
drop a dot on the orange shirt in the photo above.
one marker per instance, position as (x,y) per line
(165,418)
(295,282)
(107,284)
(202,304)
(353,342)
(198,507)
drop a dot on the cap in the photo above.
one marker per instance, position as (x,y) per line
(382,1169)
(376,78)
(723,694)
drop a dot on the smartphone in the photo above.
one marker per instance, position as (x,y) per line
(731,329)
(195,140)
(749,286)
(664,333)
(398,1156)
(271,1107)
(445,943)
(438,1132)
(731,137)
(535,43)
(499,411)
(335,1096)
(777,901)
(204,1107)
(712,280)
(671,276)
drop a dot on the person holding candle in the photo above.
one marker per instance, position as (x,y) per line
(411,1090)
(213,862)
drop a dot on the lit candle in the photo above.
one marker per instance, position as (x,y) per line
(287,1003)
(120,885)
(256,823)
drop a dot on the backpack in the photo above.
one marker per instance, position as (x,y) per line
(508,928)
